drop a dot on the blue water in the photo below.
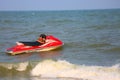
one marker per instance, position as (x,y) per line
(91,38)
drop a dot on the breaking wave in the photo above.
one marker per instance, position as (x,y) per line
(50,69)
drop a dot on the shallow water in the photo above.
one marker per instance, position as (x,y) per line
(91,45)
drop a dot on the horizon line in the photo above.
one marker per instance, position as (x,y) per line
(62,9)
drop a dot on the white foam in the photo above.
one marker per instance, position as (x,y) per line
(22,66)
(60,68)
(17,66)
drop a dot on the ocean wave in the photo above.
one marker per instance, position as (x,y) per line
(16,66)
(62,69)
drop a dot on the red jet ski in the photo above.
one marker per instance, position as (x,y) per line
(51,43)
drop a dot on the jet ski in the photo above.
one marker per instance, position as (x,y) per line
(50,44)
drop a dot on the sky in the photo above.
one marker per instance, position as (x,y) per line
(58,4)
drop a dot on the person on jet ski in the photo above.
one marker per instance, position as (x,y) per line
(41,40)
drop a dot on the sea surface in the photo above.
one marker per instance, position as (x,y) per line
(91,49)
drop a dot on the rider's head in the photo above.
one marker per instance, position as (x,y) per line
(43,36)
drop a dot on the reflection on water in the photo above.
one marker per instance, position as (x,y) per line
(50,54)
(23,57)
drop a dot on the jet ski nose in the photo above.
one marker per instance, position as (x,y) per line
(9,51)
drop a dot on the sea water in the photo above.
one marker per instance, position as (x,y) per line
(91,49)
